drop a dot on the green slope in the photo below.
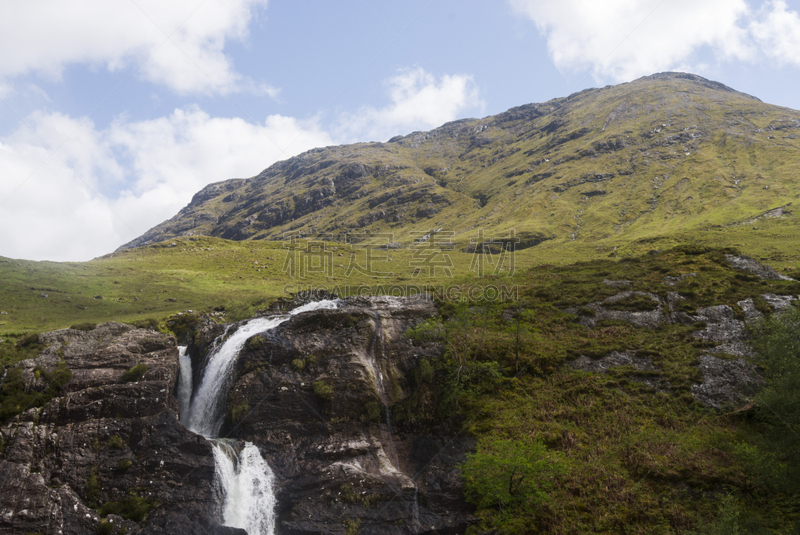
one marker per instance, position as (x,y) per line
(665,154)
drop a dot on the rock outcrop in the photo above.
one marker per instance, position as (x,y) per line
(316,395)
(106,441)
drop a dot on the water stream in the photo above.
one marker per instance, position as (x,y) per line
(244,479)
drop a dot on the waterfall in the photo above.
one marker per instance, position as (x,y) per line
(244,479)
(184,383)
(246,482)
(207,411)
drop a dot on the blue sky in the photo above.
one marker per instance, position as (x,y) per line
(114,113)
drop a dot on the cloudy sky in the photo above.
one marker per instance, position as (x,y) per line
(113,113)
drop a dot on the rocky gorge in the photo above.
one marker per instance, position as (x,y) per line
(313,394)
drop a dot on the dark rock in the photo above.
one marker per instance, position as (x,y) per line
(51,454)
(331,459)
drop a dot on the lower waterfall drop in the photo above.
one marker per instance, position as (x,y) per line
(246,483)
(244,479)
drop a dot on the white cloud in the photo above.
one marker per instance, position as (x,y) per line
(777,32)
(47,35)
(624,39)
(106,187)
(418,102)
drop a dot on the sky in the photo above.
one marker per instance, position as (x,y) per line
(113,113)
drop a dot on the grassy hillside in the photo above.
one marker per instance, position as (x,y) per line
(664,156)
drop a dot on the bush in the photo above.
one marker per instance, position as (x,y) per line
(237,413)
(28,340)
(124,464)
(106,527)
(255,343)
(135,373)
(93,486)
(149,323)
(777,347)
(508,474)
(298,364)
(323,390)
(372,413)
(131,507)
(116,442)
(84,326)
(15,397)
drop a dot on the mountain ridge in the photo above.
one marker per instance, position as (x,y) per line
(667,152)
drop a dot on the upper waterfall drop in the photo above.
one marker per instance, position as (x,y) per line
(206,413)
(184,383)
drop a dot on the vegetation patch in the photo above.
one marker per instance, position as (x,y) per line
(135,373)
(132,507)
(16,397)
(323,390)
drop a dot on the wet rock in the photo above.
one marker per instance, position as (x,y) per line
(333,458)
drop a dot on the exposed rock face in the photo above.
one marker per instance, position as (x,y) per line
(315,394)
(104,440)
(745,263)
(727,382)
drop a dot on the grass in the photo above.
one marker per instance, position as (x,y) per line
(636,460)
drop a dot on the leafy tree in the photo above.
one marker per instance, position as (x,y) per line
(509,475)
(776,342)
(463,374)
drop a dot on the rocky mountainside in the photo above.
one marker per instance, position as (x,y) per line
(666,153)
(312,395)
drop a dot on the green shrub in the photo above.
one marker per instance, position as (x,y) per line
(149,323)
(236,413)
(131,507)
(184,326)
(116,442)
(255,343)
(323,390)
(135,373)
(106,527)
(509,475)
(84,326)
(28,340)
(372,413)
(15,397)
(298,364)
(124,464)
(93,486)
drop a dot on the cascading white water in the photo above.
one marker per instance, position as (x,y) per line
(207,411)
(184,383)
(244,479)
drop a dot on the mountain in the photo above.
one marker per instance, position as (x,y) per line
(667,153)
